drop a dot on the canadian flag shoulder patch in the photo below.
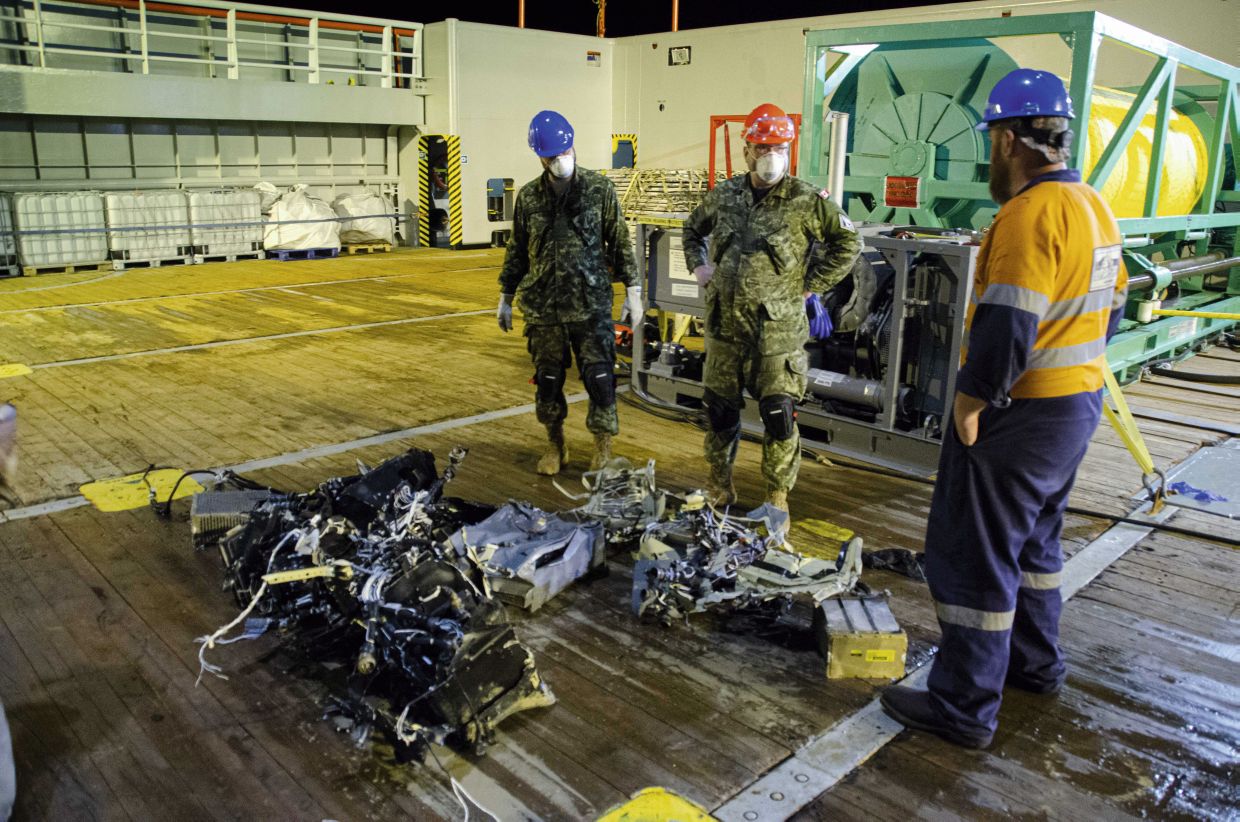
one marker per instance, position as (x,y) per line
(824,194)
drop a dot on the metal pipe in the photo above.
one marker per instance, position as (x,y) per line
(1191,262)
(675,15)
(1187,267)
(1205,315)
(839,150)
(520,14)
(832,385)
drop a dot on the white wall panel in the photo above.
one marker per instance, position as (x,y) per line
(503,76)
(734,68)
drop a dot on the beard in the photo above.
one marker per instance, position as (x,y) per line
(1000,181)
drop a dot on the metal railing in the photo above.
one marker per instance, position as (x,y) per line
(230,40)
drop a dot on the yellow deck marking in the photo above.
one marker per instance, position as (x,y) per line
(134,491)
(13,369)
(657,805)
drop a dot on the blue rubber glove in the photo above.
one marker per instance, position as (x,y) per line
(820,326)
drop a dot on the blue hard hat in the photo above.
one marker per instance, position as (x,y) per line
(550,134)
(1027,93)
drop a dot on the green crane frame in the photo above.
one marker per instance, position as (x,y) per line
(831,54)
(1084,32)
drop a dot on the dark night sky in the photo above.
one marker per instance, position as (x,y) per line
(624,17)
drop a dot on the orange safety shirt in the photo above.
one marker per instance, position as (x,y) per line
(1048,292)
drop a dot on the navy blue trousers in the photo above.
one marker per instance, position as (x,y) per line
(993,559)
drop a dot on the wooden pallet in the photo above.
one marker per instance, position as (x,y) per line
(229,258)
(9,267)
(284,254)
(67,268)
(125,265)
(367,248)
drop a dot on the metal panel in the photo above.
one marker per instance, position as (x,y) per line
(66,153)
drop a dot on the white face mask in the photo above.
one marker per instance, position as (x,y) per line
(562,166)
(770,167)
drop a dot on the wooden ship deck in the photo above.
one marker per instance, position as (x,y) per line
(292,371)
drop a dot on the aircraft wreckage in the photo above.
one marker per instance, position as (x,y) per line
(397,592)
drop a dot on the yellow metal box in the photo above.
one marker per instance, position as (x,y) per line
(861,639)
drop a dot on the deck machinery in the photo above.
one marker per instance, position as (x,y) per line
(889,113)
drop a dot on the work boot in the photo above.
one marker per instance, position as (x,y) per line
(912,709)
(719,490)
(556,455)
(1033,686)
(602,451)
(778,499)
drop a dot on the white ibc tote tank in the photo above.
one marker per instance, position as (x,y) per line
(60,228)
(225,222)
(148,226)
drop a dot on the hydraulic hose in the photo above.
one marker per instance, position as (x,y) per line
(1189,376)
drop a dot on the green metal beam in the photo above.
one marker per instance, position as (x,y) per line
(1134,37)
(1215,141)
(1085,43)
(812,119)
(930,33)
(1131,122)
(1132,226)
(1153,184)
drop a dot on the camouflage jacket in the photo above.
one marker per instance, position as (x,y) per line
(768,254)
(565,251)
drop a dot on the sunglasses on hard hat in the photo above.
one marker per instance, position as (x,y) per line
(768,130)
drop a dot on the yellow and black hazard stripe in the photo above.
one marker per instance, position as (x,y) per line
(456,225)
(617,139)
(424,195)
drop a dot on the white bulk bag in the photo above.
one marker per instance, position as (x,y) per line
(268,195)
(367,228)
(289,228)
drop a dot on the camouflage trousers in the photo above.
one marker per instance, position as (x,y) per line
(554,347)
(765,365)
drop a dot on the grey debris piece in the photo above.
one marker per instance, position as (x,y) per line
(623,498)
(529,555)
(705,560)
(212,514)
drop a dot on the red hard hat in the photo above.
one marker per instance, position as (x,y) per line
(769,124)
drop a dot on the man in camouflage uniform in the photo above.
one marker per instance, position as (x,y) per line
(774,241)
(569,241)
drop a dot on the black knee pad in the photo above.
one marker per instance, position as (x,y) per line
(779,415)
(599,379)
(549,382)
(724,419)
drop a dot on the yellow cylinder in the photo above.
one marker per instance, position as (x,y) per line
(1184,158)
